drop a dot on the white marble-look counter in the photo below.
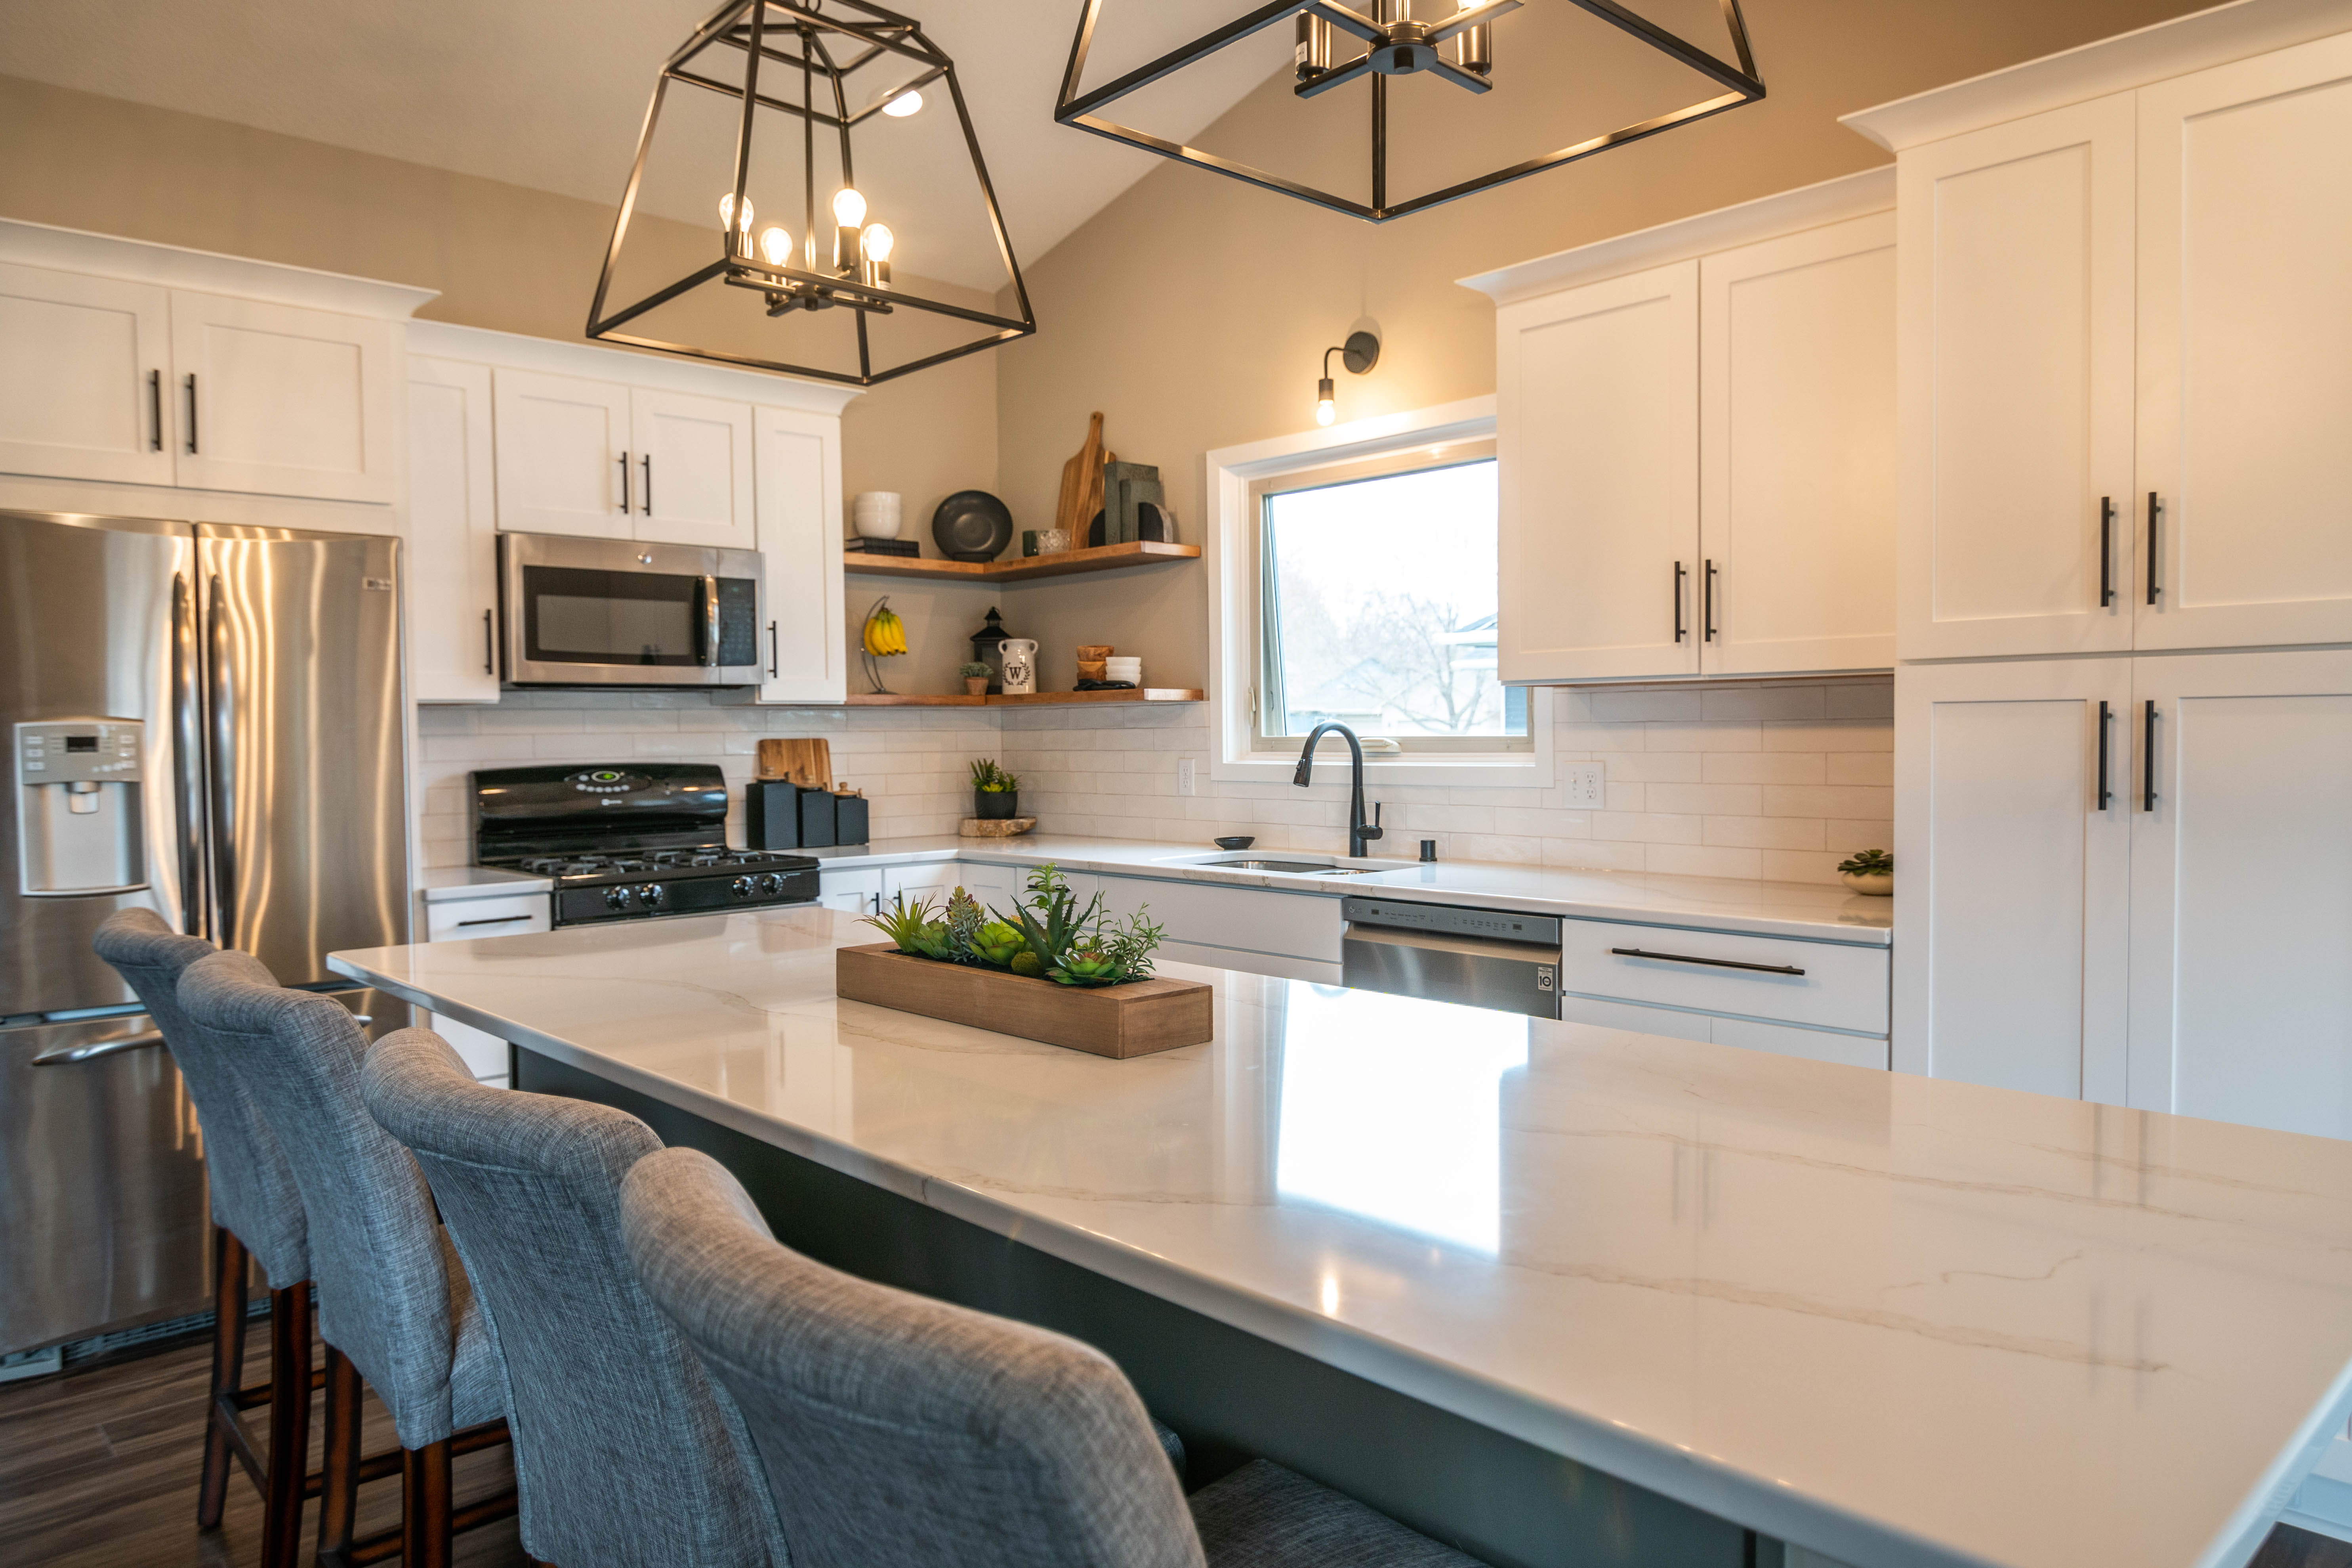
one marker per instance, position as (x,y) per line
(1903,1321)
(1720,903)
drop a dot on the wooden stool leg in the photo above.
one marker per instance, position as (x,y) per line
(339,1470)
(289,1425)
(425,1521)
(228,1373)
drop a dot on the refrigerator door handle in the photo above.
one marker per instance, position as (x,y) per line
(188,739)
(114,1045)
(224,771)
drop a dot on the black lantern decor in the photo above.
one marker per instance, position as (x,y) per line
(1453,40)
(806,62)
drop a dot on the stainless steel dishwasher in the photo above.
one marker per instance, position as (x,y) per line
(1479,958)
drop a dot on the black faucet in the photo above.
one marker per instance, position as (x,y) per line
(1359,832)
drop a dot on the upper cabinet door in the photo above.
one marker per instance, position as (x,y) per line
(2242,889)
(84,364)
(1797,452)
(2245,324)
(564,460)
(1598,436)
(453,534)
(282,400)
(694,469)
(2014,346)
(805,651)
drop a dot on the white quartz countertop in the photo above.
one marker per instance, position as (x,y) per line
(1721,903)
(1906,1322)
(460,882)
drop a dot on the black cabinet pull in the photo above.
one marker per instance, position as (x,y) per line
(155,408)
(1680,573)
(2147,759)
(489,652)
(627,504)
(2106,551)
(646,500)
(1710,962)
(499,920)
(2105,794)
(1707,620)
(2152,589)
(192,411)
(772,650)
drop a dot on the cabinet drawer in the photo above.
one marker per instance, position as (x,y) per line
(1842,987)
(462,920)
(1296,925)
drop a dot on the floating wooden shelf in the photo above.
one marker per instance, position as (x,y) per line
(1034,700)
(1019,568)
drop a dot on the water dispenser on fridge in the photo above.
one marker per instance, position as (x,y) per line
(79,808)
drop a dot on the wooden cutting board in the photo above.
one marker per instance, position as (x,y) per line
(1082,484)
(808,762)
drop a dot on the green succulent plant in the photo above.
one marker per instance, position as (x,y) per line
(1050,921)
(986,775)
(1027,962)
(1868,863)
(962,920)
(997,945)
(974,671)
(911,926)
(1087,966)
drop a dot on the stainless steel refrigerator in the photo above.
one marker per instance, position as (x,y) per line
(204,721)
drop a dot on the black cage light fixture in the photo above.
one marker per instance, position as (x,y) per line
(800,59)
(1453,40)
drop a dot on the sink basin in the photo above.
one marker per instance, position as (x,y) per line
(1290,867)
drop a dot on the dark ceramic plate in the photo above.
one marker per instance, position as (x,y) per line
(971,525)
(1235,843)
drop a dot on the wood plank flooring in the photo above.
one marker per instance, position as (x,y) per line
(98,1469)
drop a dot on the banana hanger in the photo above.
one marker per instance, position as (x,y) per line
(883,636)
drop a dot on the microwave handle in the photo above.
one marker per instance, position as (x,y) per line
(711,621)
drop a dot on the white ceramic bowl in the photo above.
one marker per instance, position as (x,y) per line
(876,514)
(1123,670)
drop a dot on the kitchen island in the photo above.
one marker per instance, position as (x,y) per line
(1559,1293)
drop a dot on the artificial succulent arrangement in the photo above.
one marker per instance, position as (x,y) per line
(986,775)
(1868,863)
(1047,935)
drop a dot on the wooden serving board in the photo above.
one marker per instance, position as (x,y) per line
(996,827)
(1132,1020)
(806,762)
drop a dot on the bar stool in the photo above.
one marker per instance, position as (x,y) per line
(626,1453)
(393,1302)
(901,1432)
(256,1214)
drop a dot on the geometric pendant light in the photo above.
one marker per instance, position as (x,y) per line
(1451,40)
(795,66)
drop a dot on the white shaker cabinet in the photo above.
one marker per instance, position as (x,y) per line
(84,364)
(279,400)
(2013,873)
(693,458)
(453,534)
(564,458)
(2245,352)
(797,461)
(2242,889)
(1797,452)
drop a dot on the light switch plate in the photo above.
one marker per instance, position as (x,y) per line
(1584,785)
(1183,775)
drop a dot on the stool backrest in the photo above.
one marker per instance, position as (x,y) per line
(253,1192)
(897,1431)
(626,1450)
(385,1291)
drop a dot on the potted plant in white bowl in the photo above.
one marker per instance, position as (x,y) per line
(1871,872)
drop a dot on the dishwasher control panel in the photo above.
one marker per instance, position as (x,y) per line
(1448,920)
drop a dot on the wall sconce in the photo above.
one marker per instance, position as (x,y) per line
(1359,354)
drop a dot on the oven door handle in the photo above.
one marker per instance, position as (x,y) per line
(711,621)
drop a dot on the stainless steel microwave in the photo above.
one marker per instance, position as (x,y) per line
(616,612)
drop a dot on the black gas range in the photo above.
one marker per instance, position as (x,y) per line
(628,841)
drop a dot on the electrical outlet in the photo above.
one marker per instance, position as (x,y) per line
(1585,786)
(1183,775)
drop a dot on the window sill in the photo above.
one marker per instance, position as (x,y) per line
(1494,770)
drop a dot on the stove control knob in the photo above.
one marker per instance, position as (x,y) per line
(741,886)
(771,883)
(619,898)
(652,895)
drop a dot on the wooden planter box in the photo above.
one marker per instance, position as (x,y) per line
(1131,1020)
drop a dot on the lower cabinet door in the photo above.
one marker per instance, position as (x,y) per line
(470,920)
(855,892)
(2012,873)
(2241,806)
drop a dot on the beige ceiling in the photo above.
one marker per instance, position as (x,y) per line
(551,93)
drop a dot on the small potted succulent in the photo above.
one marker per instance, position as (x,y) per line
(995,794)
(976,676)
(1871,872)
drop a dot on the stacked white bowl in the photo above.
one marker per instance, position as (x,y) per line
(1117,669)
(875,513)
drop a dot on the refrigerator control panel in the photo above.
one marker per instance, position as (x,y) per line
(80,807)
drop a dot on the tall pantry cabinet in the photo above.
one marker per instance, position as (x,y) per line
(2123,761)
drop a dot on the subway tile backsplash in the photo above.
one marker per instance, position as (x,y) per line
(1777,782)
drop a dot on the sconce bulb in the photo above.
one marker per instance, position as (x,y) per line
(727,212)
(879,241)
(848,207)
(1323,410)
(776,245)
(903,105)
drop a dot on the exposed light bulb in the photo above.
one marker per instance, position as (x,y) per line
(848,207)
(727,212)
(903,105)
(776,245)
(1325,411)
(879,241)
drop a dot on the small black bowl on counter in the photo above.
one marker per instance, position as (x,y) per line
(1239,841)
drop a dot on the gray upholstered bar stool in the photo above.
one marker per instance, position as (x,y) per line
(256,1214)
(627,1454)
(393,1303)
(901,1432)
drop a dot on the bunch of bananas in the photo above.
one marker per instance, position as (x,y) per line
(886,634)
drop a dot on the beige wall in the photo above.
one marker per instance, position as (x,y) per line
(1193,311)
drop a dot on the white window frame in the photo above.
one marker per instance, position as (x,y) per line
(1230,551)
